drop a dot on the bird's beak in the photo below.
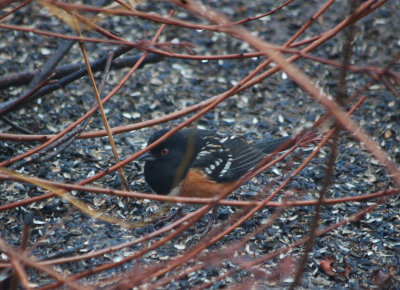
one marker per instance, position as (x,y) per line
(146,157)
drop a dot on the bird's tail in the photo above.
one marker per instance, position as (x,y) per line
(271,144)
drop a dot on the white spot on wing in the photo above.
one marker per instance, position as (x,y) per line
(226,168)
(213,145)
(223,140)
(204,153)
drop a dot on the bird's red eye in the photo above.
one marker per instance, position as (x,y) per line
(164,151)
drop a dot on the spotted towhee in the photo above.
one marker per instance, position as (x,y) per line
(199,163)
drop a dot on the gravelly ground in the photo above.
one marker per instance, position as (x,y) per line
(276,107)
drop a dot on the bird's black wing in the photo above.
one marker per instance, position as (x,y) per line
(226,159)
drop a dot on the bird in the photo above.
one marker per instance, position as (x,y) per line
(200,163)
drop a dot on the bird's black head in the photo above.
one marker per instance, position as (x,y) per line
(167,164)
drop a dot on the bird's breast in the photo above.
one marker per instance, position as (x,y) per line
(196,184)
